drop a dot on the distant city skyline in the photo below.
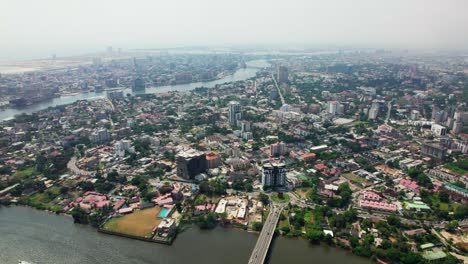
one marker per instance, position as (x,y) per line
(40,28)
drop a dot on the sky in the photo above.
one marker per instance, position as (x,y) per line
(30,27)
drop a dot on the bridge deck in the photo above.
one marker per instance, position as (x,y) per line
(264,240)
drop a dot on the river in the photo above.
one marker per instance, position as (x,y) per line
(45,238)
(240,74)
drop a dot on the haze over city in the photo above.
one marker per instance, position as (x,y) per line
(249,131)
(40,28)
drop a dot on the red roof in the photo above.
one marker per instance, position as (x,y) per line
(320,166)
(309,155)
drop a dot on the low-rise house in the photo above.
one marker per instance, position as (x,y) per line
(163,199)
(167,227)
(414,232)
(204,208)
(379,206)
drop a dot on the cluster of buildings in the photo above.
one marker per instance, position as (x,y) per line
(324,129)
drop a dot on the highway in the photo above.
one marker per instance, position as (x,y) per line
(278,88)
(264,240)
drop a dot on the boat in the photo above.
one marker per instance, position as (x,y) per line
(24,262)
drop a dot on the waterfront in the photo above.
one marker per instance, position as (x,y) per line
(240,74)
(42,237)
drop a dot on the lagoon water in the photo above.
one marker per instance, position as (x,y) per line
(240,74)
(45,238)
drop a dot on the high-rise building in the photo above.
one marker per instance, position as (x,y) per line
(138,84)
(213,160)
(332,107)
(190,163)
(123,146)
(245,126)
(100,136)
(274,174)
(374,110)
(278,149)
(115,95)
(373,113)
(414,115)
(434,150)
(283,74)
(234,112)
(438,130)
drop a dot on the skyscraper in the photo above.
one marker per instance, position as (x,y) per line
(332,107)
(274,174)
(374,110)
(234,112)
(283,74)
(138,84)
(190,163)
(278,149)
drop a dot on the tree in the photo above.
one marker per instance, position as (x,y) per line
(411,258)
(79,215)
(461,212)
(393,220)
(64,189)
(98,217)
(452,225)
(315,236)
(393,254)
(444,197)
(264,199)
(257,226)
(285,229)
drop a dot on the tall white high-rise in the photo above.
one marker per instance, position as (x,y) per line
(332,107)
(234,112)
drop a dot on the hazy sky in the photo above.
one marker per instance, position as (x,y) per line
(56,26)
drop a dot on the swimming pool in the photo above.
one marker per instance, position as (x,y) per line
(164,212)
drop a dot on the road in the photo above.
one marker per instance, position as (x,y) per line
(278,88)
(264,240)
(71,165)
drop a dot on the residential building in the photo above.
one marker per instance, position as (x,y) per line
(438,130)
(234,112)
(213,160)
(283,74)
(167,227)
(274,174)
(433,150)
(278,149)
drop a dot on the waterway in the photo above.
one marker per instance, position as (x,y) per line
(41,237)
(239,75)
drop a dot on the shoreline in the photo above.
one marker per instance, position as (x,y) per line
(9,112)
(185,225)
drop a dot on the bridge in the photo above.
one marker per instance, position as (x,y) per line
(264,240)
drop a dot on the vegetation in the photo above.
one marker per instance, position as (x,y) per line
(275,198)
(460,166)
(138,223)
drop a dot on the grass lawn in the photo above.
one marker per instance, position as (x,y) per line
(276,199)
(24,173)
(453,167)
(356,179)
(309,217)
(444,207)
(303,192)
(44,200)
(139,223)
